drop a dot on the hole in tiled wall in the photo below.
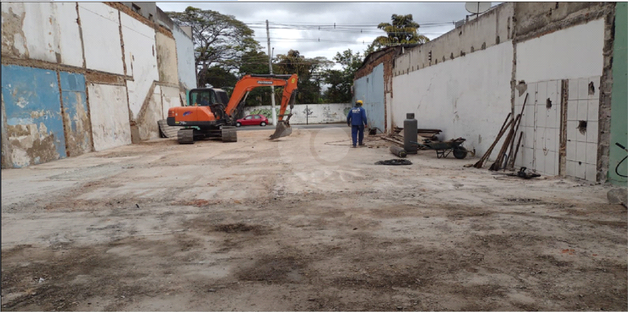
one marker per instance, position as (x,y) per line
(548,103)
(591,88)
(582,126)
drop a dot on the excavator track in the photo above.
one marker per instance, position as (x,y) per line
(229,134)
(185,136)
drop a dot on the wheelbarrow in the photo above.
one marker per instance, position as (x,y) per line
(443,149)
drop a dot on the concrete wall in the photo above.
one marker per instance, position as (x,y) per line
(467,97)
(559,54)
(370,89)
(141,55)
(109,116)
(562,54)
(307,113)
(492,28)
(542,63)
(167,59)
(619,106)
(185,58)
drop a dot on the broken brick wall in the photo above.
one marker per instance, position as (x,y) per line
(373,85)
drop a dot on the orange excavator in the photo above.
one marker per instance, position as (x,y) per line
(211,114)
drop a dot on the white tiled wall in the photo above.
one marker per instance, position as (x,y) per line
(582,147)
(540,126)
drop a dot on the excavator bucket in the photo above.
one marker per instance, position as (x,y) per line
(283,129)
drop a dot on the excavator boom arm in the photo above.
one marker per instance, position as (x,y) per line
(250,82)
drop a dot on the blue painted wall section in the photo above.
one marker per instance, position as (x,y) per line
(34,125)
(370,89)
(75,114)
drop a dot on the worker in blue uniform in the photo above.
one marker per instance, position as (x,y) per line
(356,119)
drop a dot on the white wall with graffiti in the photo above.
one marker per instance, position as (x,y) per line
(307,113)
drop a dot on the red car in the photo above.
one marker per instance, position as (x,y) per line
(252,120)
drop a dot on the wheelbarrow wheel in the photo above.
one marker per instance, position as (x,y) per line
(460,152)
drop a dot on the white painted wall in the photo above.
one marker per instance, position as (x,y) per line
(319,113)
(170,97)
(185,58)
(109,115)
(101,37)
(466,97)
(149,128)
(69,41)
(575,52)
(141,60)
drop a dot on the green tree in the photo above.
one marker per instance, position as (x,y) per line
(256,62)
(340,81)
(218,77)
(219,40)
(310,72)
(402,30)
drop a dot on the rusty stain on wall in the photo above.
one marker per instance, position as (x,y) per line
(13,39)
(167,59)
(77,124)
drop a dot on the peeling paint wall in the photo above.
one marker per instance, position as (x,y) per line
(185,58)
(110,70)
(109,116)
(75,114)
(167,59)
(101,37)
(34,124)
(40,34)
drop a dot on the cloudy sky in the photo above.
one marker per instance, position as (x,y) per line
(295,25)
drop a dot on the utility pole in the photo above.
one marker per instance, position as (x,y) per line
(270,67)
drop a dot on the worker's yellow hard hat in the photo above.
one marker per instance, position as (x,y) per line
(359,102)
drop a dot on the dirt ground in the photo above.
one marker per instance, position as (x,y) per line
(305,223)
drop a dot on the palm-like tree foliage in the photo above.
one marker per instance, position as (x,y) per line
(402,30)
